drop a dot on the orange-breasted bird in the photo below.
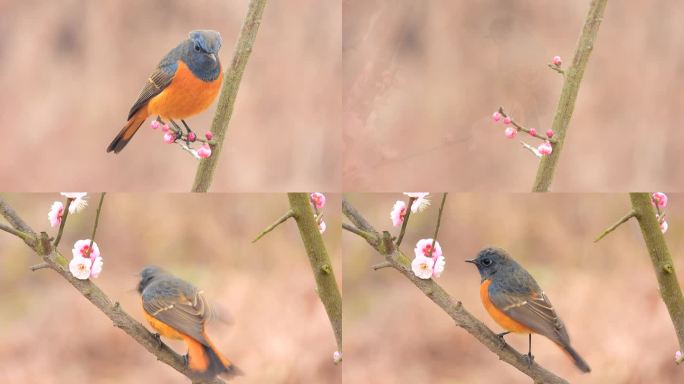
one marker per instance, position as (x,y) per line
(178,310)
(184,84)
(514,300)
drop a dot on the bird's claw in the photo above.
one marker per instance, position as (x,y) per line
(529,359)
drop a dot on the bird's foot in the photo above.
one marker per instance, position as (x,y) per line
(529,359)
(186,359)
(158,338)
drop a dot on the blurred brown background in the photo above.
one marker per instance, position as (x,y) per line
(72,69)
(279,332)
(605,292)
(421,80)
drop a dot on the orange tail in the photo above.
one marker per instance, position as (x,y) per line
(128,130)
(207,361)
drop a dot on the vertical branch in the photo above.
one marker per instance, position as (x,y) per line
(566,104)
(97,221)
(320,262)
(229,90)
(670,290)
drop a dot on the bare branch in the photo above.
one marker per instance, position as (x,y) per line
(397,260)
(282,219)
(231,85)
(97,220)
(614,226)
(62,223)
(571,85)
(670,290)
(324,275)
(406,219)
(439,221)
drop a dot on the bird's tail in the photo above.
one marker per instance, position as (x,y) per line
(128,131)
(207,362)
(576,358)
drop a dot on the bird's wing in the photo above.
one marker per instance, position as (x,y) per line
(155,84)
(184,312)
(534,310)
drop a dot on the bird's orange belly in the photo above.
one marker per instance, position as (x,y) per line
(186,96)
(505,321)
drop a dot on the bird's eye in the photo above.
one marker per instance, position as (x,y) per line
(486,262)
(197,48)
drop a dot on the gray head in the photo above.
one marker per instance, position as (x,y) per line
(147,275)
(205,41)
(491,260)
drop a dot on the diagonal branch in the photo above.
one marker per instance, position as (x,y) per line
(663,265)
(231,85)
(566,103)
(613,227)
(42,246)
(326,285)
(383,244)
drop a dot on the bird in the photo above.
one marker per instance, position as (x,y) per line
(185,83)
(515,301)
(178,310)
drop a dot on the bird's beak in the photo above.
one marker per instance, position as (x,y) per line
(473,261)
(213,57)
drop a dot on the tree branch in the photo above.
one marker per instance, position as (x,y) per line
(229,90)
(614,226)
(97,220)
(670,291)
(65,214)
(406,219)
(397,260)
(571,85)
(439,221)
(41,245)
(320,262)
(282,219)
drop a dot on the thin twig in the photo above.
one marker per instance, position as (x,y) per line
(65,214)
(229,91)
(360,232)
(406,219)
(384,246)
(571,86)
(287,215)
(38,266)
(614,226)
(384,264)
(15,232)
(525,129)
(439,221)
(556,68)
(97,220)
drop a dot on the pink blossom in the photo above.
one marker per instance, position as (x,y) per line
(422,267)
(496,116)
(81,249)
(192,137)
(169,138)
(55,214)
(80,267)
(337,357)
(204,151)
(533,131)
(507,120)
(208,135)
(659,199)
(440,263)
(663,226)
(78,202)
(678,357)
(549,133)
(317,199)
(155,124)
(322,226)
(421,201)
(545,148)
(557,61)
(96,268)
(510,132)
(423,247)
(398,213)
(165,128)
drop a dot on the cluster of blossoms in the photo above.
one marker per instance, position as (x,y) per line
(428,262)
(660,201)
(317,200)
(86,262)
(173,135)
(511,130)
